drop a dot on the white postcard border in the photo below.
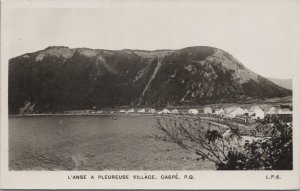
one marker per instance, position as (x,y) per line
(203,179)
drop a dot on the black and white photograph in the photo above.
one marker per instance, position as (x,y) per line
(151,86)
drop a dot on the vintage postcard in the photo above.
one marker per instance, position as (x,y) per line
(127,94)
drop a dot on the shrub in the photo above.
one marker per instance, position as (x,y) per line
(274,151)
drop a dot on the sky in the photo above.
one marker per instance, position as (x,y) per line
(263,36)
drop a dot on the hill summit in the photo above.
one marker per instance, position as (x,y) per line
(61,78)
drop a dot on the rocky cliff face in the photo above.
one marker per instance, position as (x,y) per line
(60,78)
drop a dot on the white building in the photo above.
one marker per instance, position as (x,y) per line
(256,112)
(166,111)
(232,112)
(130,111)
(207,110)
(229,109)
(272,111)
(283,111)
(229,112)
(151,111)
(175,111)
(220,112)
(122,111)
(141,111)
(193,111)
(239,111)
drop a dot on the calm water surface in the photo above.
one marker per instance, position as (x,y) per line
(94,143)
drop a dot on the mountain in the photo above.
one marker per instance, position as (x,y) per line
(60,78)
(286,83)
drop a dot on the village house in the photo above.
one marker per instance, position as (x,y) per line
(283,111)
(130,111)
(207,110)
(256,112)
(231,112)
(285,114)
(234,111)
(272,110)
(166,111)
(151,111)
(141,111)
(175,111)
(232,115)
(240,111)
(220,112)
(193,111)
(228,110)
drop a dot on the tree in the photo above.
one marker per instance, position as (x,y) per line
(231,150)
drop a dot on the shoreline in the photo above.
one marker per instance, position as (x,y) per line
(115,115)
(88,114)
